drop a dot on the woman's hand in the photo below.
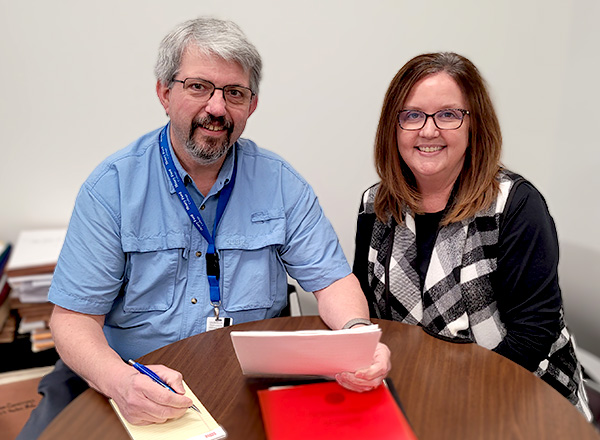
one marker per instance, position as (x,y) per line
(371,377)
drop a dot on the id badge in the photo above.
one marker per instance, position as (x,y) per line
(213,323)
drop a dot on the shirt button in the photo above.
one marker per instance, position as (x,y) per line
(194,300)
(198,254)
(202,208)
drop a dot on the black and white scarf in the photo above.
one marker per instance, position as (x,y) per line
(457,301)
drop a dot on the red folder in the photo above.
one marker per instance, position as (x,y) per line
(329,411)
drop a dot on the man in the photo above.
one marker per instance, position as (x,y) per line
(188,229)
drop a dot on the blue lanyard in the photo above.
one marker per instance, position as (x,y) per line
(212,258)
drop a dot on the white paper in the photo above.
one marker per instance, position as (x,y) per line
(191,426)
(30,282)
(38,247)
(307,353)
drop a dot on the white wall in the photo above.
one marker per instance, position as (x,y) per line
(77,85)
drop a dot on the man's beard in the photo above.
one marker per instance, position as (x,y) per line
(211,149)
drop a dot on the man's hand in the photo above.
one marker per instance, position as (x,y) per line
(368,378)
(142,401)
(82,345)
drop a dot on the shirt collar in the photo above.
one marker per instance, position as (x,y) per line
(226,171)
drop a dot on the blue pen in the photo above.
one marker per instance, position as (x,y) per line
(152,375)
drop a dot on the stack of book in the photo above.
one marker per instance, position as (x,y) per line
(7,322)
(29,273)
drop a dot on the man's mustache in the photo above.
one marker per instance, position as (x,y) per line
(211,121)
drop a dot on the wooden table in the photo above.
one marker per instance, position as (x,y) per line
(448,390)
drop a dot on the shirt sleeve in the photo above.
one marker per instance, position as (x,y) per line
(89,272)
(526,281)
(312,253)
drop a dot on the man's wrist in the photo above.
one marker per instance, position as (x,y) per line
(356,321)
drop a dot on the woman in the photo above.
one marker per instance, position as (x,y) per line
(451,241)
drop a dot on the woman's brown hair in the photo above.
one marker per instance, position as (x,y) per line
(477,183)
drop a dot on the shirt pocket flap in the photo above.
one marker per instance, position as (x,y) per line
(267,215)
(154,243)
(267,228)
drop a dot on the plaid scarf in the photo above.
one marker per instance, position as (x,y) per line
(457,301)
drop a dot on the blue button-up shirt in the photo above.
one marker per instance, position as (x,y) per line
(132,254)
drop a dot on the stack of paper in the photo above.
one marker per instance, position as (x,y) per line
(29,273)
(310,353)
(32,263)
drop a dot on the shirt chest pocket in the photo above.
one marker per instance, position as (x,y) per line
(153,268)
(254,278)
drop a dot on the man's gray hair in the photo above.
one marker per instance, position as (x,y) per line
(212,37)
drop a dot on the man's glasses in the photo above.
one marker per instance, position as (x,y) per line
(203,90)
(446,119)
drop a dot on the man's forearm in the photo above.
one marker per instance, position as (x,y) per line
(82,345)
(342,301)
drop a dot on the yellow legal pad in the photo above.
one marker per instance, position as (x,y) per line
(191,426)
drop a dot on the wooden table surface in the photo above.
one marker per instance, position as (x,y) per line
(448,390)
